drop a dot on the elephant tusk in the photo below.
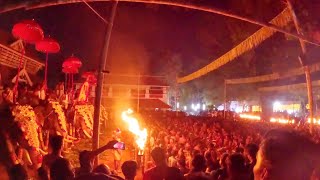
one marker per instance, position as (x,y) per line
(71,137)
(87,134)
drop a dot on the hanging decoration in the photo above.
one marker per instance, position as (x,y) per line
(29,32)
(47,45)
(281,20)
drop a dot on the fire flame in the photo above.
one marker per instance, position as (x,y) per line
(141,135)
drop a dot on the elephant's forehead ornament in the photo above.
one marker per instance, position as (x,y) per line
(61,116)
(26,119)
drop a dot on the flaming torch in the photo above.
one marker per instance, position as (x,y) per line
(141,134)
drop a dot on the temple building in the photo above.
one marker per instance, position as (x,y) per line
(134,91)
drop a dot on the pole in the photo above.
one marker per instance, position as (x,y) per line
(176,99)
(138,100)
(302,59)
(46,72)
(97,102)
(225,99)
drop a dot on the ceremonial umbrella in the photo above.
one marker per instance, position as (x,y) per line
(71,66)
(29,32)
(47,45)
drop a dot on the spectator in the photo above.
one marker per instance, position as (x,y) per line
(211,162)
(198,169)
(286,155)
(221,173)
(86,163)
(56,144)
(18,172)
(172,161)
(103,169)
(162,170)
(61,170)
(236,167)
(43,174)
(182,166)
(129,169)
(250,152)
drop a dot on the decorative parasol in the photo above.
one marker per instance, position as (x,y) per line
(70,67)
(47,45)
(29,32)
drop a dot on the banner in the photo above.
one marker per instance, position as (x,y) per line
(281,20)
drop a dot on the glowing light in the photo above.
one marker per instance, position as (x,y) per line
(315,121)
(141,135)
(178,105)
(203,107)
(250,117)
(276,106)
(282,120)
(193,107)
(185,108)
(239,109)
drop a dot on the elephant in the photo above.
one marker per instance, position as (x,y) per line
(22,136)
(52,119)
(82,115)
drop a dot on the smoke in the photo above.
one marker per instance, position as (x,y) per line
(127,55)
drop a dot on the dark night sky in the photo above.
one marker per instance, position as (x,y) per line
(140,35)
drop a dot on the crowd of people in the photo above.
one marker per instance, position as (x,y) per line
(195,148)
(56,167)
(207,148)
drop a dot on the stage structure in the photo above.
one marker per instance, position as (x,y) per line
(10,55)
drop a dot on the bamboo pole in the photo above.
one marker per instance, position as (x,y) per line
(97,103)
(138,100)
(168,3)
(302,60)
(225,99)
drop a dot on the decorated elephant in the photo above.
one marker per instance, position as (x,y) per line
(82,116)
(83,119)
(51,117)
(22,137)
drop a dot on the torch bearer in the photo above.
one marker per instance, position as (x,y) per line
(141,159)
(141,135)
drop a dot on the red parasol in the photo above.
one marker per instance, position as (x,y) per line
(87,74)
(71,66)
(47,45)
(72,62)
(90,76)
(69,70)
(30,32)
